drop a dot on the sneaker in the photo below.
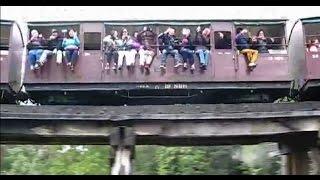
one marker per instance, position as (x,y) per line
(162,66)
(71,67)
(120,67)
(32,67)
(107,66)
(69,64)
(36,66)
(177,65)
(192,67)
(252,64)
(114,68)
(185,65)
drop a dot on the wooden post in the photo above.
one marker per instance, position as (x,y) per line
(295,160)
(315,160)
(122,141)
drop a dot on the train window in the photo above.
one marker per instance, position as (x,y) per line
(275,33)
(5,37)
(46,30)
(312,32)
(222,40)
(92,41)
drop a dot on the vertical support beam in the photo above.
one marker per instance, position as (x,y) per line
(295,160)
(315,158)
(122,141)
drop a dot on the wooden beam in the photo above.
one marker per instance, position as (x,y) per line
(166,125)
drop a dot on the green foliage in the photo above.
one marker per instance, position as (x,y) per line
(93,160)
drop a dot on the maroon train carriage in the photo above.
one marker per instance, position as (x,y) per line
(226,80)
(12,49)
(306,58)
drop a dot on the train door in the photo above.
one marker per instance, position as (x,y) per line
(89,66)
(272,65)
(311,29)
(223,62)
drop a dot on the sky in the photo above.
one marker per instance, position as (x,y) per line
(61,13)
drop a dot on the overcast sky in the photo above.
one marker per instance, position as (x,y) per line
(58,13)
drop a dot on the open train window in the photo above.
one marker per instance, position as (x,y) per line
(131,27)
(222,40)
(46,29)
(178,26)
(312,36)
(5,37)
(273,31)
(92,41)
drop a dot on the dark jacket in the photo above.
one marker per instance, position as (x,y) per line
(201,42)
(147,39)
(262,45)
(168,42)
(38,43)
(243,42)
(55,43)
(186,42)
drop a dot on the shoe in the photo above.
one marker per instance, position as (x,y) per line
(36,66)
(252,64)
(71,67)
(69,64)
(114,68)
(177,65)
(32,67)
(162,66)
(107,67)
(192,67)
(185,65)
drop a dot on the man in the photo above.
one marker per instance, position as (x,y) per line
(169,42)
(35,49)
(243,44)
(202,43)
(147,39)
(109,48)
(54,46)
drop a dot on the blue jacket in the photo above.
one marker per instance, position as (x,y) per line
(242,42)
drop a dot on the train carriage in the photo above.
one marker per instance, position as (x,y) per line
(306,66)
(226,80)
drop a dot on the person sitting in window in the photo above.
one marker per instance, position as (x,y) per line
(243,41)
(147,39)
(221,41)
(124,49)
(109,48)
(202,42)
(35,49)
(187,49)
(54,46)
(261,43)
(71,47)
(169,42)
(313,45)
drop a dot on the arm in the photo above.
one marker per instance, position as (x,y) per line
(77,41)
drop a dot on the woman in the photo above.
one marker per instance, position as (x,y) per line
(124,50)
(35,47)
(187,49)
(202,42)
(109,49)
(261,43)
(71,47)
